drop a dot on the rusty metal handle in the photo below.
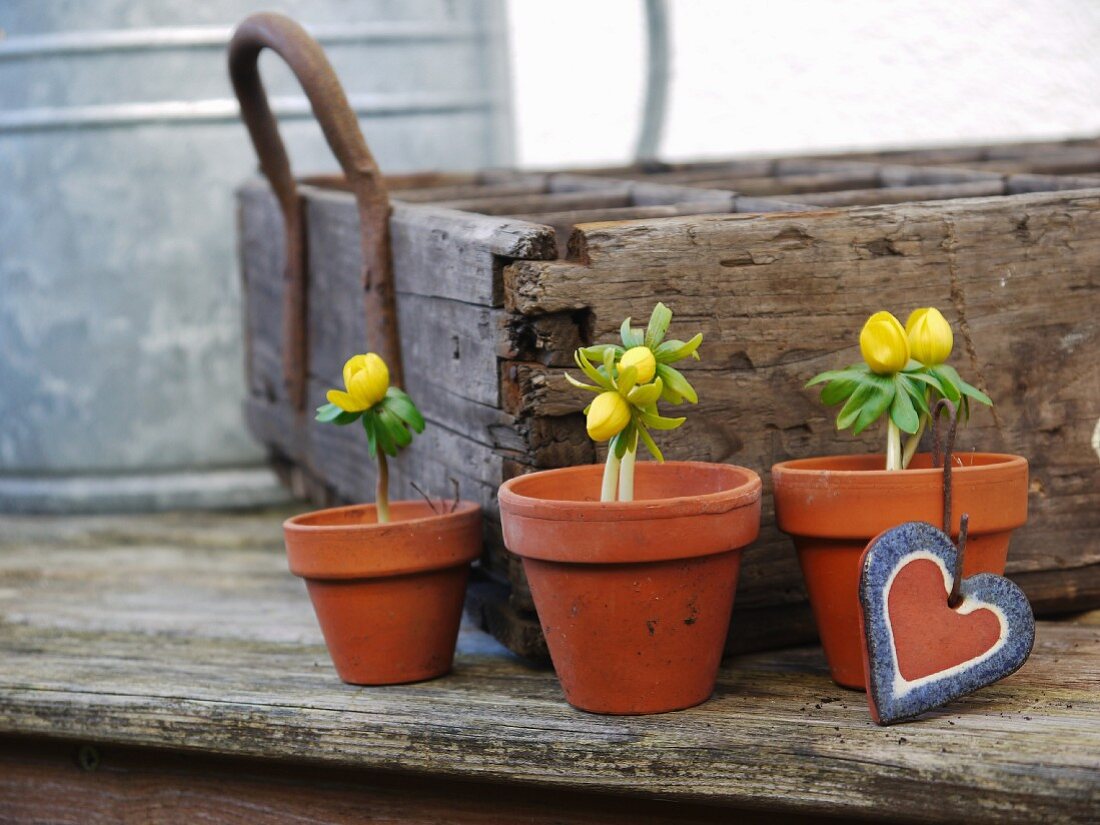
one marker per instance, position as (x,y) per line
(330,106)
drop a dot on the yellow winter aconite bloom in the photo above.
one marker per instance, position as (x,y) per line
(643,360)
(930,338)
(607,416)
(366,378)
(884,344)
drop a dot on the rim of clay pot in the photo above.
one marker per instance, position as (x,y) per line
(347,543)
(737,487)
(853,496)
(867,470)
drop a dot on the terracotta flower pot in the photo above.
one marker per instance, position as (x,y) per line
(389,596)
(832,507)
(634,597)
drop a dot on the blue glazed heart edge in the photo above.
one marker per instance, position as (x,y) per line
(878,657)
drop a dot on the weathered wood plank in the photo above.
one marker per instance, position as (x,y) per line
(123,637)
(779,298)
(610,197)
(57,781)
(436,252)
(904,194)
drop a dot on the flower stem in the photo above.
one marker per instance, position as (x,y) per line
(626,477)
(382,490)
(610,476)
(913,442)
(893,445)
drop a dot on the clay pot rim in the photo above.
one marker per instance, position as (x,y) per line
(296,523)
(740,495)
(369,550)
(992,470)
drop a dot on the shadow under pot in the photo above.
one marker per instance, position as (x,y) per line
(832,507)
(388,597)
(635,597)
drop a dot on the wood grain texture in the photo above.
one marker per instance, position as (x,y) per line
(777,295)
(68,782)
(780,297)
(186,632)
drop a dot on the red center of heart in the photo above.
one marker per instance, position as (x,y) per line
(930,637)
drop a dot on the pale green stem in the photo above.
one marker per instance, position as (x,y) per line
(913,442)
(610,477)
(626,477)
(893,445)
(382,490)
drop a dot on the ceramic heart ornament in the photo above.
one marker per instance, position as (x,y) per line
(919,652)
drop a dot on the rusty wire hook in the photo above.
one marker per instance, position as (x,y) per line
(330,105)
(942,454)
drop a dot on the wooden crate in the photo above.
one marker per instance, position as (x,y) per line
(499,276)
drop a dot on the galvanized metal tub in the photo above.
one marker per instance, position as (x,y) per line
(120,379)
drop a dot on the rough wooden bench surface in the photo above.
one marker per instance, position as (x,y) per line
(185,631)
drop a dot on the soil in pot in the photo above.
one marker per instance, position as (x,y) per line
(388,597)
(832,507)
(634,597)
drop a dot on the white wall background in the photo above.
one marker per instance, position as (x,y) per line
(791,75)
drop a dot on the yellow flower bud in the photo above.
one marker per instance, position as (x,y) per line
(608,416)
(883,343)
(641,358)
(930,338)
(366,378)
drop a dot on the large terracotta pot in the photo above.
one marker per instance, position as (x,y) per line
(634,597)
(388,596)
(832,507)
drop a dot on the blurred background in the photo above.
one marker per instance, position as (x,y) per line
(120,148)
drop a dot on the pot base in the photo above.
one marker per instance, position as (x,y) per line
(634,597)
(391,631)
(632,639)
(389,596)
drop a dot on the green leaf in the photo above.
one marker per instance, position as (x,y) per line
(585,366)
(399,403)
(401,436)
(623,440)
(924,377)
(948,388)
(631,337)
(874,406)
(849,374)
(580,385)
(658,325)
(609,363)
(903,413)
(916,391)
(372,438)
(596,351)
(628,378)
(331,414)
(676,386)
(671,351)
(645,394)
(659,422)
(838,390)
(849,413)
(650,444)
(382,434)
(964,388)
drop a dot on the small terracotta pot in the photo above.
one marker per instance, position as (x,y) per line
(832,507)
(634,597)
(388,596)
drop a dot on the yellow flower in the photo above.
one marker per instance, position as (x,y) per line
(883,343)
(641,358)
(608,416)
(930,338)
(367,378)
